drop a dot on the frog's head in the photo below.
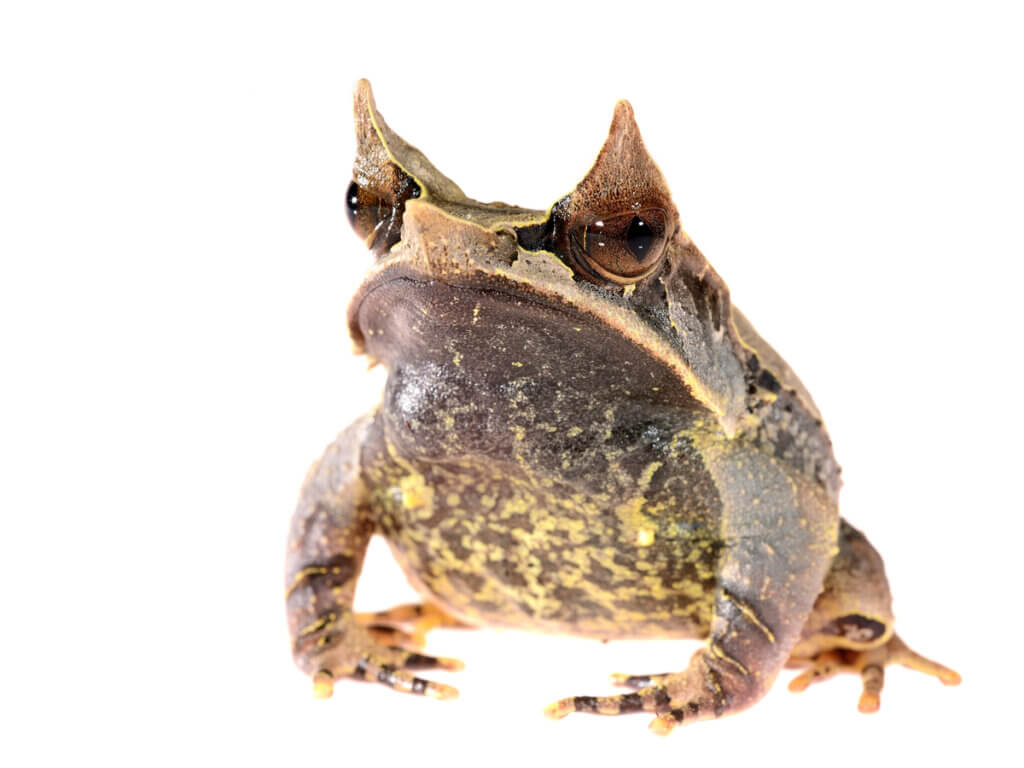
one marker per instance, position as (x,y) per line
(612,249)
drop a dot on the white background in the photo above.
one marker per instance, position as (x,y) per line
(175,270)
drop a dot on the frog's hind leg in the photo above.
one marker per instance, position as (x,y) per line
(778,534)
(851,627)
(409,623)
(330,532)
(870,664)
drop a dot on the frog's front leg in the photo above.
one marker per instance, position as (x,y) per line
(330,532)
(778,533)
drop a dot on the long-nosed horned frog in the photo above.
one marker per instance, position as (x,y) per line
(579,434)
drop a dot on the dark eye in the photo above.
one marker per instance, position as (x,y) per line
(376,219)
(353,203)
(623,247)
(639,238)
(365,210)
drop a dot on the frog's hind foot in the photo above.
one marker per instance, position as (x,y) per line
(870,665)
(408,624)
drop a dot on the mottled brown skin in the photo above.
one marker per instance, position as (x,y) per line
(579,434)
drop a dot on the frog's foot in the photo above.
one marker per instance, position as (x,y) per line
(408,624)
(675,698)
(354,652)
(651,698)
(870,665)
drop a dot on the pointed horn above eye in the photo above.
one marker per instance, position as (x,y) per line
(624,175)
(373,158)
(364,111)
(381,153)
(363,96)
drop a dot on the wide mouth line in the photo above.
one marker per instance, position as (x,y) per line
(481,280)
(404,273)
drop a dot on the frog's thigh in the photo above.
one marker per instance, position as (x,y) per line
(779,532)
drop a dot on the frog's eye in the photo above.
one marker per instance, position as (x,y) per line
(621,248)
(378,218)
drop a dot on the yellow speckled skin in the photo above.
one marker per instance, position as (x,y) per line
(579,434)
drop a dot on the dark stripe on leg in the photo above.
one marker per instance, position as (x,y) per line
(386,675)
(716,684)
(324,576)
(420,661)
(585,703)
(631,702)
(661,698)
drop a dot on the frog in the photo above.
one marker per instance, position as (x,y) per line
(579,434)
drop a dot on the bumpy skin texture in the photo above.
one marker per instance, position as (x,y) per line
(569,449)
